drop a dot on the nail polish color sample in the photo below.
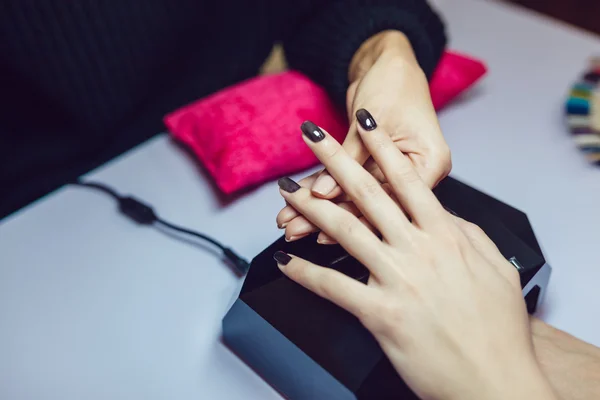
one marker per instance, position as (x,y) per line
(593,77)
(312,131)
(288,185)
(282,258)
(366,120)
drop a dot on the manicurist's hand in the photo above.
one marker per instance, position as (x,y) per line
(571,365)
(387,80)
(442,302)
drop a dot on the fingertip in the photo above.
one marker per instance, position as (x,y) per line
(298,228)
(286,214)
(324,186)
(293,238)
(325,239)
(282,259)
(312,131)
(337,191)
(280,221)
(366,120)
(290,265)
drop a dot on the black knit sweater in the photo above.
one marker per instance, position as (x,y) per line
(82,81)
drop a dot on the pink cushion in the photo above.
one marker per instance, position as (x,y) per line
(249,133)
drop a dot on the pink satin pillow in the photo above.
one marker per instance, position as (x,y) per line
(249,133)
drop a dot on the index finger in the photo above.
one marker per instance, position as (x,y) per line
(288,213)
(325,186)
(364,190)
(347,293)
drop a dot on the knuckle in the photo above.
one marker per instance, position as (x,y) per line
(366,223)
(368,188)
(333,152)
(471,229)
(445,160)
(325,288)
(297,271)
(386,316)
(348,225)
(513,276)
(404,176)
(455,238)
(378,142)
(301,196)
(448,239)
(365,315)
(447,156)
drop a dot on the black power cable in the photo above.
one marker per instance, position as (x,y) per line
(144,214)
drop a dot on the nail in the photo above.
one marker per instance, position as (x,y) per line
(282,258)
(288,185)
(324,185)
(297,237)
(325,241)
(312,131)
(282,226)
(366,120)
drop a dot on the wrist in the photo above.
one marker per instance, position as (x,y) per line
(389,44)
(522,380)
(571,365)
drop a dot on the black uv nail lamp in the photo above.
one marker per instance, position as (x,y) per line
(309,349)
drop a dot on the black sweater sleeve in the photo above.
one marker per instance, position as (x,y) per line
(322,43)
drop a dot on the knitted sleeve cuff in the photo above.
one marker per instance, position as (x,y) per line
(323,46)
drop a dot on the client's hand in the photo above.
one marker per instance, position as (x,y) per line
(443,303)
(387,80)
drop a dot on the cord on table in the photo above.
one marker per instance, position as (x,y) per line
(144,214)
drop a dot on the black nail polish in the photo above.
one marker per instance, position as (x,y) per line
(312,131)
(282,258)
(366,120)
(288,185)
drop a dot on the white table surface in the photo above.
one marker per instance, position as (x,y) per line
(95,307)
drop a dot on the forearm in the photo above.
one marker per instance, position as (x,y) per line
(502,378)
(571,365)
(520,384)
(323,44)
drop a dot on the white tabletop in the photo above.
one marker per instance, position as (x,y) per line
(95,307)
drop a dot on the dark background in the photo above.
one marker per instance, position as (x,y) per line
(582,13)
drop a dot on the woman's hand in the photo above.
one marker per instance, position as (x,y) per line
(386,79)
(443,303)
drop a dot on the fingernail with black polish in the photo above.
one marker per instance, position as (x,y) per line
(282,258)
(366,120)
(312,131)
(288,185)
